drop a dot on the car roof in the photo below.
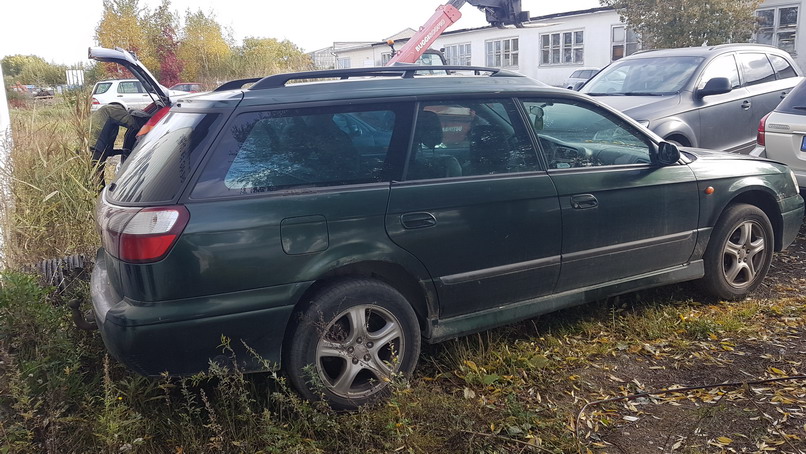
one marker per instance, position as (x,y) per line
(372,83)
(117,80)
(703,51)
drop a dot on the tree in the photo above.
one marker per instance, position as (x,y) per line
(682,23)
(203,48)
(265,56)
(122,26)
(161,26)
(30,69)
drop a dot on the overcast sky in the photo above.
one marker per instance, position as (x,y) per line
(60,31)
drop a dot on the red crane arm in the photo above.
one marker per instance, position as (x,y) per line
(443,18)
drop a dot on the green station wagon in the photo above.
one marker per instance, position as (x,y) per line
(329,222)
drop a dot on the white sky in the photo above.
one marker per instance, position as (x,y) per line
(60,31)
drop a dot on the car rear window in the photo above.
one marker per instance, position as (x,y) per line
(783,69)
(163,161)
(795,101)
(101,88)
(273,150)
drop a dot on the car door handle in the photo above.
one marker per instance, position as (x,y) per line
(583,201)
(120,96)
(746,105)
(418,220)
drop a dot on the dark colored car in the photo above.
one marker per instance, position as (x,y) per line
(332,225)
(710,96)
(189,87)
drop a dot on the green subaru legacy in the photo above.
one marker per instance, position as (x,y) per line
(329,222)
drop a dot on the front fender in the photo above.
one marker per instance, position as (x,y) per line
(674,126)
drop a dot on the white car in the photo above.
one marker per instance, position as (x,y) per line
(782,133)
(578,77)
(129,93)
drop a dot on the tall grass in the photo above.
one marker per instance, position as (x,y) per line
(47,208)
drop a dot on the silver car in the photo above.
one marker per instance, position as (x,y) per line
(782,133)
(708,97)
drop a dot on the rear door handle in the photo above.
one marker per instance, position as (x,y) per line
(419,220)
(746,105)
(583,201)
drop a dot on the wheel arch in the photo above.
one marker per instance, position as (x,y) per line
(421,297)
(765,200)
(675,128)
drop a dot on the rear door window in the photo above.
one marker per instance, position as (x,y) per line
(130,87)
(468,138)
(756,68)
(162,163)
(267,151)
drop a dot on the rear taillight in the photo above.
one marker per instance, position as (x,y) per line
(95,102)
(140,235)
(762,130)
(153,121)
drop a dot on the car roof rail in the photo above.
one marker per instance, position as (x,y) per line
(405,71)
(238,83)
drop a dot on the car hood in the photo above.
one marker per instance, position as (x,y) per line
(714,155)
(643,107)
(130,62)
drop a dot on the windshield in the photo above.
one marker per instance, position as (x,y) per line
(651,76)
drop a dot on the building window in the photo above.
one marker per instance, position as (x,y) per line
(623,42)
(343,62)
(385,57)
(458,54)
(777,27)
(502,52)
(562,48)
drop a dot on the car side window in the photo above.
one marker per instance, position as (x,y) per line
(102,88)
(281,149)
(722,66)
(574,134)
(783,70)
(756,68)
(130,87)
(469,138)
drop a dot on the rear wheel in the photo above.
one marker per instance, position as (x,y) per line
(739,252)
(350,341)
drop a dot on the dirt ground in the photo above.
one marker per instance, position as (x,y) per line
(762,410)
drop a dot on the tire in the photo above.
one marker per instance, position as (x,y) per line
(349,341)
(739,252)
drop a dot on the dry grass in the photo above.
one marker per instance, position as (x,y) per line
(47,211)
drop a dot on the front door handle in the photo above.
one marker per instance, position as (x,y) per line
(746,105)
(583,201)
(419,220)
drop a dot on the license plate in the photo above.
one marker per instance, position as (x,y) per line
(803,144)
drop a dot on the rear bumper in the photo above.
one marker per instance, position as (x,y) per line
(181,337)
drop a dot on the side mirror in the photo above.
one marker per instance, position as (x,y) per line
(715,86)
(666,155)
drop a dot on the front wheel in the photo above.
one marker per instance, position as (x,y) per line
(350,341)
(739,252)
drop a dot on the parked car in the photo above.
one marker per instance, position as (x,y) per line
(782,133)
(331,226)
(579,77)
(129,93)
(188,87)
(710,96)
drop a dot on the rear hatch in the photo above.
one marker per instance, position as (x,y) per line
(160,94)
(139,214)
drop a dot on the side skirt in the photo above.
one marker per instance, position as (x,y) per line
(449,328)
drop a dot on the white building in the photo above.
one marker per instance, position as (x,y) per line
(549,48)
(779,25)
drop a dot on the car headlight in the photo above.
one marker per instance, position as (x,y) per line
(644,123)
(794,180)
